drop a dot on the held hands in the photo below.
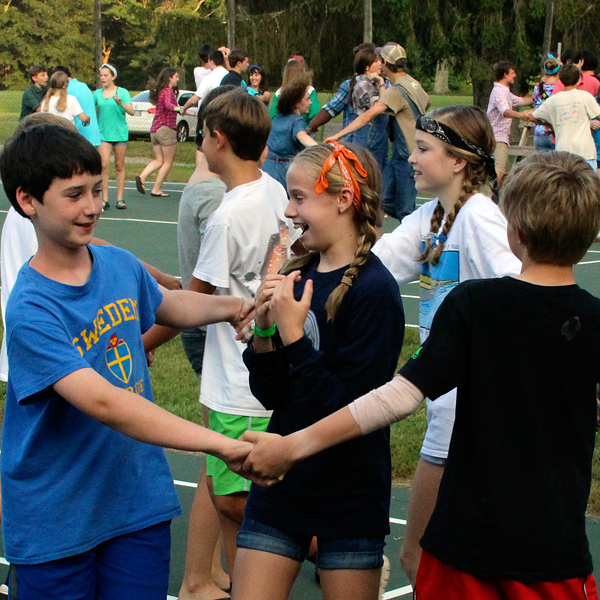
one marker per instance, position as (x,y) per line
(241,320)
(118,99)
(234,455)
(270,458)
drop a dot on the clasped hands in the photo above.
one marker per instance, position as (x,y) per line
(263,458)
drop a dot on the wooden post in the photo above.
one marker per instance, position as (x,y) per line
(548,27)
(98,39)
(231,24)
(368,22)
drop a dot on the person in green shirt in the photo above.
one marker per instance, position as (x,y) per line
(112,103)
(34,94)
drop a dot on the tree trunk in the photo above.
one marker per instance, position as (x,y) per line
(98,39)
(442,72)
(368,22)
(481,92)
(548,27)
(231,23)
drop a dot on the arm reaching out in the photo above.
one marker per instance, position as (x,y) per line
(273,455)
(183,309)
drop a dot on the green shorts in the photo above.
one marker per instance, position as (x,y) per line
(233,426)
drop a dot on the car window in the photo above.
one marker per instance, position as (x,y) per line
(142,97)
(184,97)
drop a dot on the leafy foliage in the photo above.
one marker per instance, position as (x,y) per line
(142,36)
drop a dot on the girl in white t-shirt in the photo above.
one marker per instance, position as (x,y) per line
(58,102)
(458,236)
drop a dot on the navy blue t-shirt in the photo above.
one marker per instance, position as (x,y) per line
(342,492)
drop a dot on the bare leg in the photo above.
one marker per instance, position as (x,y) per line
(346,584)
(259,575)
(423,497)
(120,170)
(168,156)
(153,165)
(231,515)
(203,549)
(105,150)
(220,577)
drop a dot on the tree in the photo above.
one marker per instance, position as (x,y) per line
(27,38)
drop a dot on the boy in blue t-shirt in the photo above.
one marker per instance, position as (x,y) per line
(87,492)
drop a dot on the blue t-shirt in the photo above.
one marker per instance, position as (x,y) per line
(68,481)
(86,99)
(283,141)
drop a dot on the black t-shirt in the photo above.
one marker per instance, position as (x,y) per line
(343,492)
(232,78)
(526,361)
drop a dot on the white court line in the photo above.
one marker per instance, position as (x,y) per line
(189,484)
(588,262)
(397,521)
(103,218)
(403,591)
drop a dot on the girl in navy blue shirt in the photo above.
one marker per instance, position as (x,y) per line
(325,333)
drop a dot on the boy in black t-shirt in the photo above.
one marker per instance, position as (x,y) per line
(524,353)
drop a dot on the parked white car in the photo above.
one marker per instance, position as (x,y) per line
(141,121)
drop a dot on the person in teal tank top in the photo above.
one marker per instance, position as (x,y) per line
(112,103)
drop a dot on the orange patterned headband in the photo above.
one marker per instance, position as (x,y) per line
(342,155)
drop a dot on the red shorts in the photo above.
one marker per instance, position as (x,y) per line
(436,580)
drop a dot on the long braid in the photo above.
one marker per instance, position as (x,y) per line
(436,221)
(368,224)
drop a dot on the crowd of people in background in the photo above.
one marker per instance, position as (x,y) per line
(328,326)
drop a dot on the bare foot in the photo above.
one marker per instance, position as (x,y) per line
(208,592)
(222,580)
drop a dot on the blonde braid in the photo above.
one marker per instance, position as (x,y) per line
(368,222)
(298,263)
(436,220)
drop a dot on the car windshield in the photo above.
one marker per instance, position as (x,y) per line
(142,97)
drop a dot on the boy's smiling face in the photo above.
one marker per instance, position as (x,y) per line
(69,212)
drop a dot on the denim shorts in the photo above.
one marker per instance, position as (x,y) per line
(332,554)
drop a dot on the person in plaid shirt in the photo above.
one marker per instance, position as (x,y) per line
(501,111)
(163,132)
(340,103)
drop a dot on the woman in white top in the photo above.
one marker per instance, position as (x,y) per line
(58,102)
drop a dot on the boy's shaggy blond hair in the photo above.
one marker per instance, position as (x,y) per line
(553,201)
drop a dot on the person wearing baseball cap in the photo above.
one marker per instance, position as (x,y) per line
(406,100)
